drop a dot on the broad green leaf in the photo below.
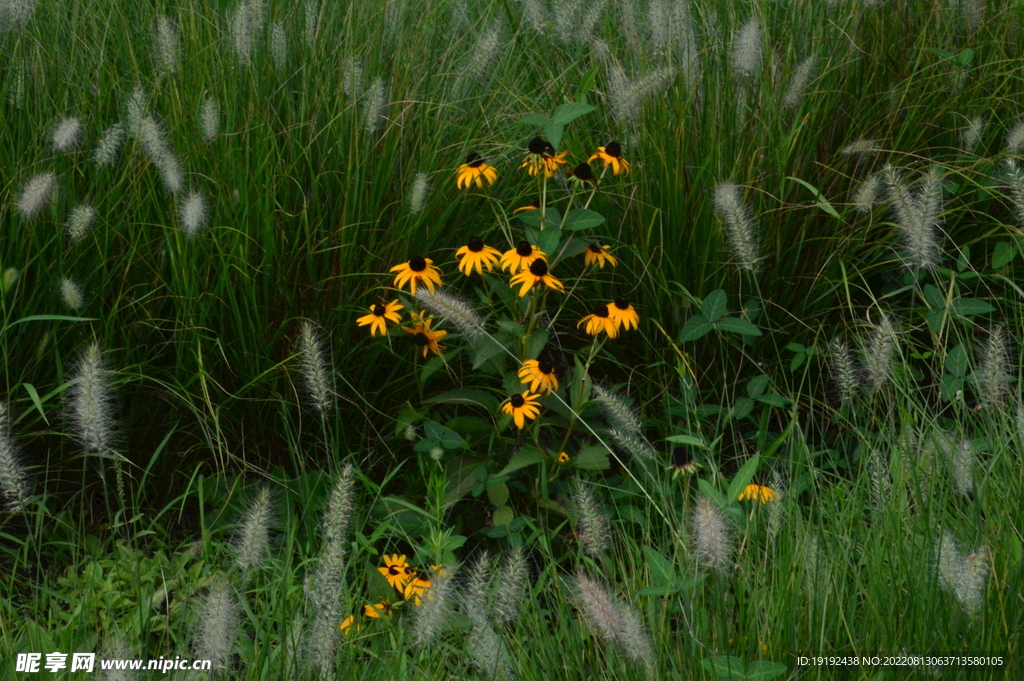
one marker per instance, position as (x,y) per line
(774,399)
(823,203)
(425,445)
(593,458)
(587,84)
(934,318)
(451,440)
(714,305)
(581,218)
(483,350)
(503,515)
(553,133)
(963,261)
(742,408)
(531,218)
(539,120)
(757,386)
(738,326)
(567,113)
(661,570)
(967,307)
(475,396)
(695,327)
(934,297)
(433,430)
(949,386)
(1004,252)
(538,339)
(956,361)
(527,456)
(498,494)
(764,670)
(691,440)
(547,241)
(709,491)
(724,667)
(743,477)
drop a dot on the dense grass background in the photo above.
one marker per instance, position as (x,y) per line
(307,184)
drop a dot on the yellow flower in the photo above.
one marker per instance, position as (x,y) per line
(475,170)
(380,315)
(521,257)
(522,407)
(346,624)
(563,457)
(531,206)
(382,609)
(761,493)
(599,321)
(476,254)
(394,570)
(539,376)
(537,274)
(422,335)
(596,253)
(623,314)
(612,156)
(582,175)
(416,589)
(417,270)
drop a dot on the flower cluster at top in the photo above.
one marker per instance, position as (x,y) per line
(410,584)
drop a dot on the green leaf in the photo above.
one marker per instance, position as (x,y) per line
(47,318)
(480,398)
(695,327)
(498,494)
(483,350)
(425,445)
(660,591)
(949,386)
(538,339)
(963,261)
(934,318)
(553,132)
(593,458)
(742,408)
(567,113)
(967,307)
(581,218)
(586,85)
(503,515)
(724,667)
(764,670)
(539,120)
(956,361)
(433,430)
(531,218)
(661,570)
(714,305)
(451,440)
(823,203)
(743,477)
(757,386)
(774,399)
(527,456)
(31,390)
(1004,252)
(691,440)
(738,326)
(712,494)
(934,297)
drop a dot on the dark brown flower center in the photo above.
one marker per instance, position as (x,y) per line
(622,302)
(394,570)
(474,160)
(523,249)
(417,264)
(538,268)
(601,311)
(596,247)
(516,401)
(681,457)
(545,366)
(421,339)
(537,145)
(476,244)
(379,310)
(583,172)
(613,149)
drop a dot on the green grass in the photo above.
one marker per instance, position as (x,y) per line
(308,211)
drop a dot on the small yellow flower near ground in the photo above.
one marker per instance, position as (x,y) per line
(563,457)
(761,493)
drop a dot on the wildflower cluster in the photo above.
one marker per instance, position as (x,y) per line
(409,583)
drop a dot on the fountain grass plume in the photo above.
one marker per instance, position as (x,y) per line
(311,14)
(375,106)
(628,96)
(244,24)
(109,145)
(135,110)
(511,580)
(279,45)
(992,377)
(712,544)
(252,543)
(746,50)
(633,443)
(1015,138)
(315,370)
(71,294)
(916,216)
(79,222)
(961,463)
(591,523)
(844,370)
(418,192)
(617,410)
(739,223)
(218,625)
(963,576)
(536,15)
(970,136)
(489,654)
(167,48)
(160,154)
(478,590)
(192,214)
(13,480)
(209,120)
(866,195)
(90,403)
(434,613)
(65,134)
(798,83)
(455,309)
(1015,183)
(36,194)
(878,353)
(615,620)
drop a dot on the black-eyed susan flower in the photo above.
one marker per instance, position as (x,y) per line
(682,462)
(477,255)
(381,609)
(761,493)
(623,314)
(475,170)
(416,589)
(612,156)
(394,570)
(536,275)
(563,457)
(346,625)
(541,157)
(423,336)
(380,315)
(417,270)
(533,205)
(521,407)
(539,376)
(596,253)
(599,321)
(521,257)
(582,175)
